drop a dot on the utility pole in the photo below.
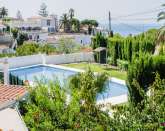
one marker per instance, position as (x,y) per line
(110,23)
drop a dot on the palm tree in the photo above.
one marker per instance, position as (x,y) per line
(3,12)
(71,13)
(75,25)
(88,85)
(161,17)
(64,22)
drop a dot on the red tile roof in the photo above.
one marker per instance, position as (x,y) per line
(11,93)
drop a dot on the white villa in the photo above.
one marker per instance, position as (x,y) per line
(37,27)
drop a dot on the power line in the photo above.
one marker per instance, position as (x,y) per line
(124,17)
(130,26)
(140,13)
(136,19)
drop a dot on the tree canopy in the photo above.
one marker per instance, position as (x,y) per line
(3,12)
(46,107)
(90,22)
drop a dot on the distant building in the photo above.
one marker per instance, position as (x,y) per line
(37,27)
(49,24)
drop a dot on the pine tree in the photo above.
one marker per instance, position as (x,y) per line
(19,15)
(43,10)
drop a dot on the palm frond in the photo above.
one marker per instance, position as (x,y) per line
(161,35)
(161,18)
(161,13)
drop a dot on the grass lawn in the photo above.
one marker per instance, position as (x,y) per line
(99,68)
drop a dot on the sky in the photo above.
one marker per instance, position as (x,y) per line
(88,9)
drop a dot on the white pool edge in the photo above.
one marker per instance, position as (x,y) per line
(19,68)
(65,68)
(114,100)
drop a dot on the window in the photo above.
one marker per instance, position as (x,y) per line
(48,22)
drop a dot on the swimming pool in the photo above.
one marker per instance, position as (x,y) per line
(32,73)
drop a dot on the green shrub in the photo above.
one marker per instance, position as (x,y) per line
(34,48)
(162,49)
(142,70)
(125,48)
(123,65)
(99,41)
(22,37)
(47,109)
(67,45)
(109,60)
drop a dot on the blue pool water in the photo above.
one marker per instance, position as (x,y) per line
(52,73)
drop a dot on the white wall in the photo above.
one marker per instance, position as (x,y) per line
(44,23)
(29,23)
(5,38)
(24,61)
(16,62)
(70,58)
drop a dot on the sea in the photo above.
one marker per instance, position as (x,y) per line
(133,29)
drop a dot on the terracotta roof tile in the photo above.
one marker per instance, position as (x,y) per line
(11,92)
